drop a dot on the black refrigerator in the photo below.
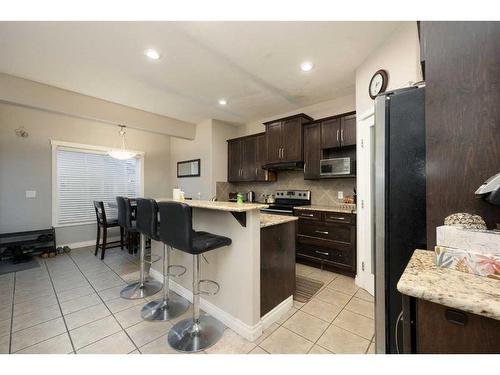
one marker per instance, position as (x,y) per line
(399,203)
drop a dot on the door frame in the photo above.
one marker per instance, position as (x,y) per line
(365,277)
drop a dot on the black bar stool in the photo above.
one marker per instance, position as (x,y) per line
(176,230)
(103,223)
(144,287)
(171,305)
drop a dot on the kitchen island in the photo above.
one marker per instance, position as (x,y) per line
(237,268)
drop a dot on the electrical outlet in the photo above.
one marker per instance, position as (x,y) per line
(30,194)
(340,195)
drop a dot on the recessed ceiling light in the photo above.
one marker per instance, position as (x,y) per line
(306,66)
(152,54)
(222,101)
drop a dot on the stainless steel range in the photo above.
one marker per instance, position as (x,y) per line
(286,200)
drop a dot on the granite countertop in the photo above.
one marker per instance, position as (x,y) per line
(342,208)
(220,206)
(267,220)
(463,291)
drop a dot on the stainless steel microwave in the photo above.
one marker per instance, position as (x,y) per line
(336,167)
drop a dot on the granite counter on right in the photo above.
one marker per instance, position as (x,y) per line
(448,311)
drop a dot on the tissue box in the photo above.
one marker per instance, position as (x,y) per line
(468,261)
(475,240)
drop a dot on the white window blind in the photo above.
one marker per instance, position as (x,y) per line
(85,176)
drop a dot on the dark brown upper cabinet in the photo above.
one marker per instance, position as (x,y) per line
(312,150)
(348,130)
(284,140)
(325,138)
(245,157)
(338,131)
(330,133)
(234,154)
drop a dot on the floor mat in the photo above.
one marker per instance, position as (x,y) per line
(7,266)
(305,288)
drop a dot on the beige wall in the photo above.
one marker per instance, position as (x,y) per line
(25,164)
(399,55)
(210,146)
(38,95)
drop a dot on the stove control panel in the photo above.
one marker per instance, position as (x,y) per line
(293,194)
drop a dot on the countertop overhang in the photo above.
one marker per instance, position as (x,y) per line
(268,220)
(220,206)
(463,291)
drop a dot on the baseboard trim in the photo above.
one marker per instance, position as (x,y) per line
(275,314)
(75,245)
(251,333)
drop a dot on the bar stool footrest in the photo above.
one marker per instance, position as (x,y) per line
(207,292)
(183,270)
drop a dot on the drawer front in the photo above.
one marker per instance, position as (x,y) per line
(327,231)
(335,254)
(337,217)
(311,215)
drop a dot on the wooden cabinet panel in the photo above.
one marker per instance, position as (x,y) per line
(337,217)
(348,130)
(331,243)
(273,140)
(245,157)
(440,330)
(310,215)
(291,141)
(234,161)
(330,133)
(326,231)
(262,174)
(249,159)
(312,150)
(277,265)
(462,117)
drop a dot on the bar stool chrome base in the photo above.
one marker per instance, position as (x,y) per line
(161,310)
(139,290)
(190,337)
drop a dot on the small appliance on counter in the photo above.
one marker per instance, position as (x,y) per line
(251,196)
(286,200)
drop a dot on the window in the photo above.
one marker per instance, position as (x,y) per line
(83,174)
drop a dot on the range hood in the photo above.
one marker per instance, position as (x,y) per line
(295,166)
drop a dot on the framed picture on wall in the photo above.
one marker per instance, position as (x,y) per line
(189,168)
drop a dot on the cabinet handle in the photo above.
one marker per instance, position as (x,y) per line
(256,171)
(337,217)
(321,252)
(342,135)
(321,231)
(337,135)
(309,215)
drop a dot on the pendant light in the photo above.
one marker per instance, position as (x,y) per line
(122,153)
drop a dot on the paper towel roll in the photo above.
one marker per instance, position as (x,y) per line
(176,194)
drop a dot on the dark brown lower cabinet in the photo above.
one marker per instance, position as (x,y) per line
(277,265)
(327,240)
(430,328)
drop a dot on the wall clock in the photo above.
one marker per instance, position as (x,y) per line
(378,83)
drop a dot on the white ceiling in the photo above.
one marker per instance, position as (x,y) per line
(254,65)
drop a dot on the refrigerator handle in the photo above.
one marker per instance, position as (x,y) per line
(396,331)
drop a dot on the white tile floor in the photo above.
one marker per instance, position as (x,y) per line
(72,304)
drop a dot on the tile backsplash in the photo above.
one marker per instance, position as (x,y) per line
(323,192)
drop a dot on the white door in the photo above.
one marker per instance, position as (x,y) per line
(364,160)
